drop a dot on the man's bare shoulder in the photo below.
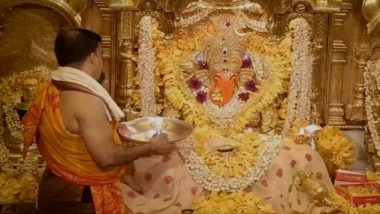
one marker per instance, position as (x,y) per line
(83,105)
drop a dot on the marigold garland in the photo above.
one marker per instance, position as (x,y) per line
(246,151)
(227,203)
(203,174)
(18,187)
(345,206)
(335,147)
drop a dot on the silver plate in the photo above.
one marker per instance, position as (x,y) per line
(141,130)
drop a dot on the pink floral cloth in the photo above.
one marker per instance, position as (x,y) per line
(161,184)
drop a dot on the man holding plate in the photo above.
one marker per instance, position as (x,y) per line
(73,121)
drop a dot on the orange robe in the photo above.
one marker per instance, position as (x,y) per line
(66,154)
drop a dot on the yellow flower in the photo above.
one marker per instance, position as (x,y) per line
(14,187)
(227,203)
(335,147)
(345,206)
(243,157)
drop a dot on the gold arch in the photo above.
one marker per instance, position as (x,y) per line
(60,7)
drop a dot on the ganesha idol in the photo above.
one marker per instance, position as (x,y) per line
(252,168)
(226,74)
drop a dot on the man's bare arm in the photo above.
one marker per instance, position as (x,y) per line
(97,133)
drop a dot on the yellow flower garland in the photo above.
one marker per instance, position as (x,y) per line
(246,149)
(227,203)
(18,187)
(335,147)
(345,206)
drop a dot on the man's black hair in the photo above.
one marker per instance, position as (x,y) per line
(74,46)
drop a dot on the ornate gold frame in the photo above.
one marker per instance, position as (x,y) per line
(342,47)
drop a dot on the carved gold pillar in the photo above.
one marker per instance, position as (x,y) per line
(125,11)
(359,53)
(126,71)
(320,33)
(101,18)
(338,56)
(356,111)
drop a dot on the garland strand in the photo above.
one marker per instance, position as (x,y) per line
(145,67)
(185,22)
(300,82)
(372,86)
(259,26)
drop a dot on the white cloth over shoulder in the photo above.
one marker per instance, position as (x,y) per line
(73,75)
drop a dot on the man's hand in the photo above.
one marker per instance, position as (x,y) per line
(160,144)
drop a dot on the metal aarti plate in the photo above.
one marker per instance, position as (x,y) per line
(141,130)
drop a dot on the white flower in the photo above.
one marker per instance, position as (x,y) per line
(371,81)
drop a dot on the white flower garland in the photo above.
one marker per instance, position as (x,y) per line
(221,115)
(145,67)
(246,5)
(259,26)
(299,106)
(368,84)
(227,111)
(202,174)
(304,48)
(376,74)
(11,98)
(204,9)
(4,153)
